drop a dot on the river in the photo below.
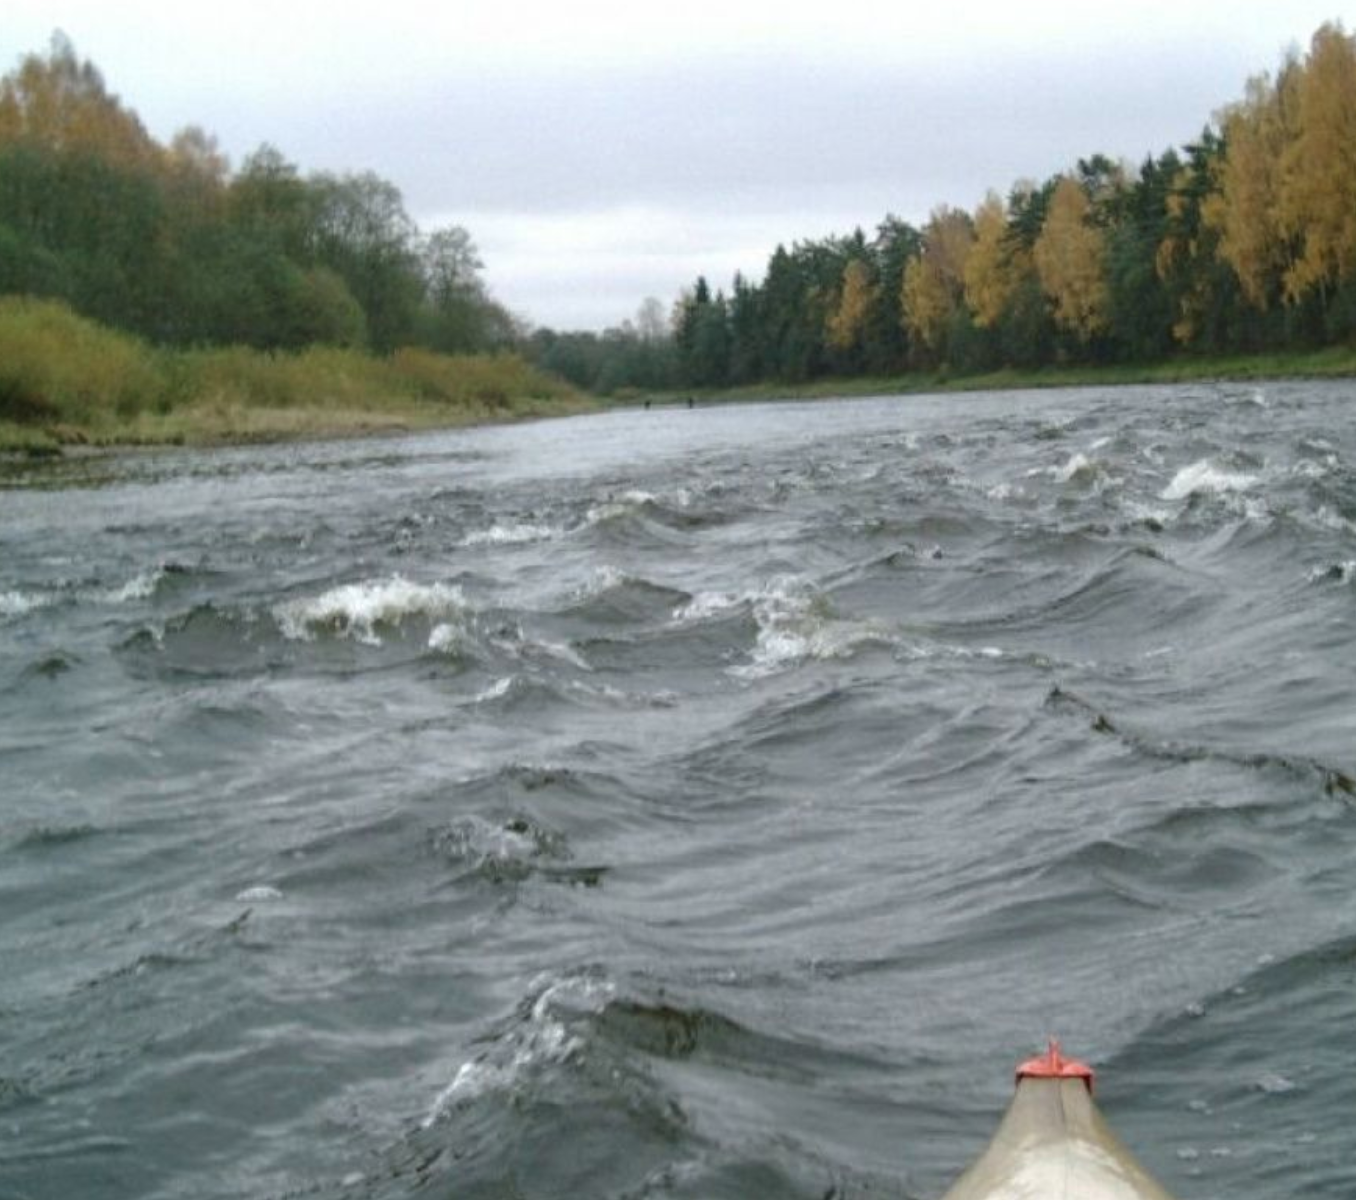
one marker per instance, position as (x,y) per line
(670,803)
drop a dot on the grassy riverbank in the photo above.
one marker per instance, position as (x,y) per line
(67,381)
(1332,363)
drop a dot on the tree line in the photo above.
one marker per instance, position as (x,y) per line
(1243,241)
(168,242)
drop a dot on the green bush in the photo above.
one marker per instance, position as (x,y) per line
(74,380)
(55,365)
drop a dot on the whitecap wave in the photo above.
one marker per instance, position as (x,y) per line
(1308,468)
(444,638)
(17,604)
(139,587)
(511,533)
(1328,517)
(924,651)
(543,1037)
(1204,476)
(1147,513)
(704,605)
(1078,469)
(795,625)
(603,579)
(1343,572)
(496,691)
(560,651)
(624,503)
(359,610)
(1079,465)
(618,698)
(259,894)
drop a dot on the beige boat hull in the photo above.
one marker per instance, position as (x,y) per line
(1054,1144)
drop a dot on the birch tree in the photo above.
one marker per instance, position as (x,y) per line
(1069,255)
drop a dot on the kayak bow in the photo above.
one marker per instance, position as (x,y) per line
(1054,1144)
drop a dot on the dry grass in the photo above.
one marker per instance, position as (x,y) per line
(67,380)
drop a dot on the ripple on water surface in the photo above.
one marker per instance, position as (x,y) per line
(704,804)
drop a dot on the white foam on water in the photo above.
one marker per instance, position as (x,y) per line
(542,1039)
(1078,463)
(1137,511)
(512,533)
(139,587)
(707,604)
(259,894)
(631,701)
(629,501)
(1078,468)
(1329,518)
(1308,468)
(472,1079)
(795,625)
(356,610)
(444,638)
(603,579)
(925,651)
(1343,572)
(562,652)
(1204,476)
(16,604)
(498,689)
(483,841)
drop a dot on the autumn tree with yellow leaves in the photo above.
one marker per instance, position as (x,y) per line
(849,321)
(934,281)
(1245,240)
(60,103)
(1284,208)
(1069,257)
(1245,210)
(1316,206)
(995,264)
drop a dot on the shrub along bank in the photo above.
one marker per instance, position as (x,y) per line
(66,380)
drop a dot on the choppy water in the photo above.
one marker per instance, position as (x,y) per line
(691,804)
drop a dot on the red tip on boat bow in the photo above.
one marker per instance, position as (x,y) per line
(1053,1065)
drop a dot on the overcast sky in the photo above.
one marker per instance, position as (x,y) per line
(600,152)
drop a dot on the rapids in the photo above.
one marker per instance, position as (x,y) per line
(674,803)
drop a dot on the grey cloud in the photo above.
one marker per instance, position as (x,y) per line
(744,132)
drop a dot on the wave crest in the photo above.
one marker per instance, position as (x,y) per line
(18,604)
(794,624)
(361,610)
(1205,476)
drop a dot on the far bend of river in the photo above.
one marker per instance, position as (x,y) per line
(708,804)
